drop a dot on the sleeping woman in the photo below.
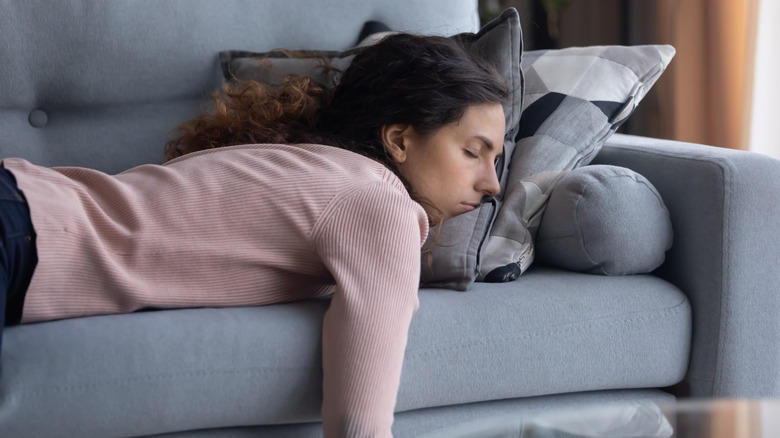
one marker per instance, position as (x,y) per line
(277,195)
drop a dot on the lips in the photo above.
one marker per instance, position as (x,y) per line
(470,206)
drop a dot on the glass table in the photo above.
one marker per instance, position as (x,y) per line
(727,418)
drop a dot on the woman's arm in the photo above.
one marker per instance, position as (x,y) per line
(370,242)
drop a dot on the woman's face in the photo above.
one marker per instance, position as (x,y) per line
(454,167)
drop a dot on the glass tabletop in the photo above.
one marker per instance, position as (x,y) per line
(720,418)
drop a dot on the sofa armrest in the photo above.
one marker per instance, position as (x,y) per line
(725,210)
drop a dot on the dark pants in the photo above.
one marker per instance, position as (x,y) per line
(18,256)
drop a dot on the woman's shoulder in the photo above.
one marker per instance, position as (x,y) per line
(282,153)
(378,207)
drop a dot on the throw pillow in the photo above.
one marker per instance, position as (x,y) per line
(451,253)
(272,68)
(604,220)
(575,99)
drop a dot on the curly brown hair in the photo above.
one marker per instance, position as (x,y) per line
(247,112)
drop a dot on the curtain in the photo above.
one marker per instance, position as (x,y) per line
(709,95)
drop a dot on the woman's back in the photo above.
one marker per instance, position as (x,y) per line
(225,227)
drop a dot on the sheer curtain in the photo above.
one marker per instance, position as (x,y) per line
(709,97)
(765,120)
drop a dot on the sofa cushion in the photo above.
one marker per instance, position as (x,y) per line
(550,332)
(454,250)
(604,220)
(575,98)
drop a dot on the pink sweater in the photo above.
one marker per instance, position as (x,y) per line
(242,226)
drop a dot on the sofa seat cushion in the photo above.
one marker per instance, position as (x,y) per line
(550,332)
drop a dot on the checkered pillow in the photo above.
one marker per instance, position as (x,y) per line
(576,98)
(574,101)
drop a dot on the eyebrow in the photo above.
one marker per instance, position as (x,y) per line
(490,146)
(487,142)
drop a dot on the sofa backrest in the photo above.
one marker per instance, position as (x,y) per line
(101,83)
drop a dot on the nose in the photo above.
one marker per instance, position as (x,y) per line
(489,184)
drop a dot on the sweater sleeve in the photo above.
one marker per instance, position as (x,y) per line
(371,243)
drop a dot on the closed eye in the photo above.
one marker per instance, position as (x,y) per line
(470,154)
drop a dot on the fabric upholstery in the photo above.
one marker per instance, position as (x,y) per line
(163,371)
(604,220)
(575,99)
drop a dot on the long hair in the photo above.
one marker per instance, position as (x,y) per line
(423,81)
(247,112)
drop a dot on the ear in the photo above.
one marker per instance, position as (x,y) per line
(395,138)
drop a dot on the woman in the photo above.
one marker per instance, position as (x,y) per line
(279,195)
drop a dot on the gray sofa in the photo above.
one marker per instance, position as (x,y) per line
(100,84)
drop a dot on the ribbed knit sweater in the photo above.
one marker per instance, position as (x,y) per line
(242,226)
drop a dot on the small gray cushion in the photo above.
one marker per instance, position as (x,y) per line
(604,220)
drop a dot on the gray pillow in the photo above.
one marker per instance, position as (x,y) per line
(604,220)
(450,254)
(575,98)
(272,68)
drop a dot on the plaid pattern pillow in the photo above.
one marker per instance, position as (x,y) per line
(574,101)
(591,89)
